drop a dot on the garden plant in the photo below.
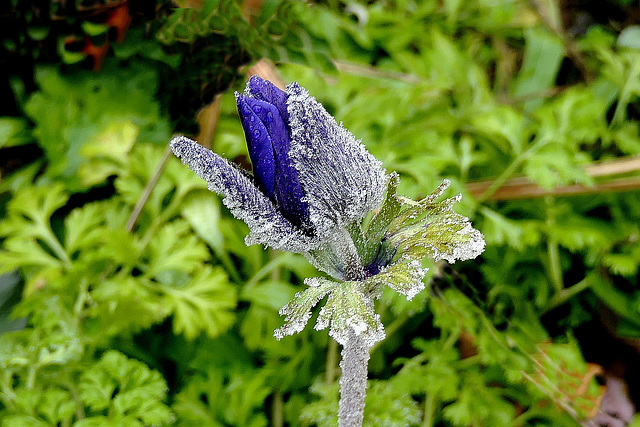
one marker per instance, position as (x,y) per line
(406,135)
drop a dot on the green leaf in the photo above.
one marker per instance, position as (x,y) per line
(213,400)
(107,152)
(386,405)
(348,309)
(14,131)
(28,229)
(95,106)
(83,227)
(190,406)
(125,388)
(173,247)
(202,210)
(478,402)
(616,300)
(542,58)
(297,312)
(630,37)
(206,303)
(261,319)
(379,224)
(122,306)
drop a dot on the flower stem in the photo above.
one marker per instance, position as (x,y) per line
(355,351)
(353,381)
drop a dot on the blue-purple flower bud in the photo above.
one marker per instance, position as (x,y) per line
(263,114)
(311,176)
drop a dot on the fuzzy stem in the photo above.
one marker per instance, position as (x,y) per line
(355,351)
(353,381)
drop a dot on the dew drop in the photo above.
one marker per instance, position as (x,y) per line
(257,108)
(256,133)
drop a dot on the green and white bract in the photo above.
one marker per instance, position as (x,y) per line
(399,235)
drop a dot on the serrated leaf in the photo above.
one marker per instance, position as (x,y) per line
(476,402)
(30,210)
(386,405)
(173,184)
(349,310)
(499,229)
(191,409)
(81,227)
(123,306)
(622,264)
(92,103)
(206,303)
(126,388)
(28,228)
(106,152)
(20,253)
(247,394)
(297,312)
(173,247)
(403,276)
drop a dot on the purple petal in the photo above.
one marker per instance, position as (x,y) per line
(288,193)
(267,91)
(245,201)
(341,179)
(259,143)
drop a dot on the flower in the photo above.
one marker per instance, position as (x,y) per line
(310,175)
(312,185)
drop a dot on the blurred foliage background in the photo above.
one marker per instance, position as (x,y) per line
(127,295)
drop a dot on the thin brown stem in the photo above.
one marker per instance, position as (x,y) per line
(137,210)
(523,188)
(276,407)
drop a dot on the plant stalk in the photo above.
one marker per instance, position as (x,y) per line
(353,381)
(355,351)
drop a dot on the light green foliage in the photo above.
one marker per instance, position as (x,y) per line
(87,118)
(237,400)
(88,281)
(13,131)
(169,319)
(124,391)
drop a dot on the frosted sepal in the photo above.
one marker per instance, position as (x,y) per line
(403,232)
(341,179)
(431,228)
(243,198)
(404,277)
(347,309)
(297,312)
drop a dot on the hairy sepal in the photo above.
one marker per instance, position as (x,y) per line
(348,308)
